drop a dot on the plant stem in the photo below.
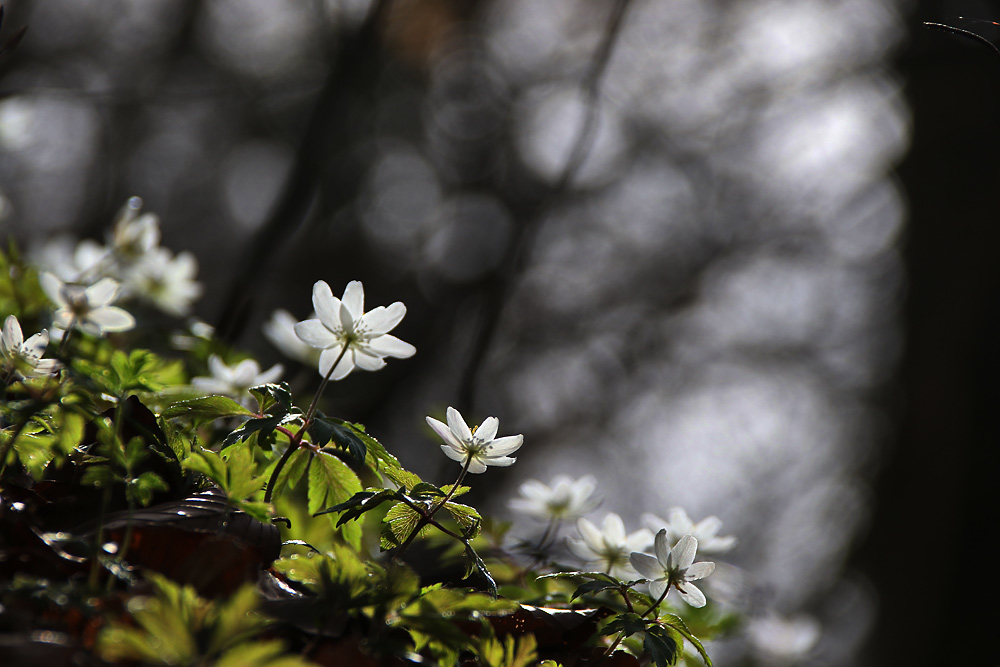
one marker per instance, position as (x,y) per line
(427,516)
(322,386)
(296,440)
(657,603)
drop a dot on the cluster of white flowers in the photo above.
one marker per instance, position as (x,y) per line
(132,256)
(613,550)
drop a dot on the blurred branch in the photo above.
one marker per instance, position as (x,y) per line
(329,123)
(497,291)
(14,39)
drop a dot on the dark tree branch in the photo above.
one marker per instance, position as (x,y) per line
(497,291)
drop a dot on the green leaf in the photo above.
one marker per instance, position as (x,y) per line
(144,486)
(678,624)
(598,576)
(627,623)
(467,517)
(290,475)
(594,586)
(331,481)
(476,562)
(209,407)
(402,520)
(269,653)
(324,429)
(423,490)
(275,403)
(663,644)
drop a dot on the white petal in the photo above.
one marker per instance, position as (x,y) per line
(708,527)
(476,466)
(654,523)
(457,425)
(62,318)
(504,446)
(347,321)
(102,293)
(656,588)
(270,375)
(315,334)
(327,306)
(384,319)
(646,565)
(591,535)
(12,336)
(35,346)
(354,299)
(245,373)
(683,552)
(111,318)
(366,361)
(680,523)
(390,346)
(699,570)
(219,369)
(454,454)
(52,287)
(488,429)
(209,385)
(580,549)
(692,595)
(661,545)
(614,528)
(326,359)
(446,434)
(499,461)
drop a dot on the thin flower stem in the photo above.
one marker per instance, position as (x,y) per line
(67,334)
(296,439)
(427,516)
(322,387)
(454,487)
(658,602)
(291,449)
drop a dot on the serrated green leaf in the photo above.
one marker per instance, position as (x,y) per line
(628,623)
(403,520)
(594,586)
(145,485)
(477,562)
(663,645)
(290,475)
(427,490)
(678,624)
(325,429)
(402,478)
(599,576)
(467,517)
(208,407)
(331,482)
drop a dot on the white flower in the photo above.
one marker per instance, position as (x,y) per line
(705,531)
(87,308)
(134,235)
(480,447)
(783,641)
(567,499)
(234,381)
(342,323)
(69,259)
(280,330)
(165,280)
(24,357)
(609,549)
(673,567)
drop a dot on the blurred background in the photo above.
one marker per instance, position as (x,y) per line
(733,256)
